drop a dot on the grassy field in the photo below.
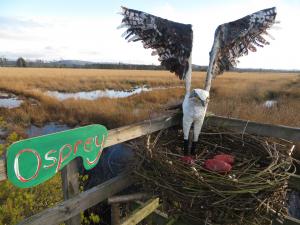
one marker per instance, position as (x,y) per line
(233,94)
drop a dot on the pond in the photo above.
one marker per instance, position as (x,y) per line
(108,93)
(10,103)
(48,128)
(9,100)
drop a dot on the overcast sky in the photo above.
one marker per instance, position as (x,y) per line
(86,30)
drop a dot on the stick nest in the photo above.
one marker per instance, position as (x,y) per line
(253,192)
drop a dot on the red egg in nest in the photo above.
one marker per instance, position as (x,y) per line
(217,166)
(225,158)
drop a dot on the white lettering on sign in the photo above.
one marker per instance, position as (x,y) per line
(50,159)
(17,168)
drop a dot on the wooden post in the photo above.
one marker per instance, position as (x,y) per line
(115,214)
(70,186)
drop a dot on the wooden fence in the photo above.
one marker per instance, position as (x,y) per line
(74,202)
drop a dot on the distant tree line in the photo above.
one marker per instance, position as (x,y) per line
(123,66)
(21,62)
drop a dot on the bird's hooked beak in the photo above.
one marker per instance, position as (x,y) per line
(202,102)
(200,96)
(193,95)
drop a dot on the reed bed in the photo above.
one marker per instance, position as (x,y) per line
(234,94)
(253,192)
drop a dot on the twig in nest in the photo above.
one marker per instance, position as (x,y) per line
(148,145)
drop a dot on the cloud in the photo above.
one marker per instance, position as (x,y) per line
(18,23)
(89,52)
(49,48)
(21,29)
(24,54)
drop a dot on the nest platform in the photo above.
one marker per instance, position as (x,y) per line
(253,192)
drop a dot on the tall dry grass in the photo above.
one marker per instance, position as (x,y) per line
(72,80)
(233,94)
(243,95)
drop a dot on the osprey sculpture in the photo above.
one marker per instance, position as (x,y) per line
(173,42)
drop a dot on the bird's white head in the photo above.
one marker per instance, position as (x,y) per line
(200,94)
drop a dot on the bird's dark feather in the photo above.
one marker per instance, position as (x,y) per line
(172,41)
(238,37)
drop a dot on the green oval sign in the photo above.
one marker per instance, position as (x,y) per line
(35,160)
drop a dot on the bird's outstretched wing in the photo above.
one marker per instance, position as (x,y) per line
(238,37)
(171,41)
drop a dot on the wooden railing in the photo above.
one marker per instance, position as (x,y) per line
(76,202)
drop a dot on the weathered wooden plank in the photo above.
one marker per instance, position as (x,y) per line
(291,221)
(294,182)
(278,131)
(156,211)
(70,186)
(130,132)
(277,222)
(81,202)
(142,212)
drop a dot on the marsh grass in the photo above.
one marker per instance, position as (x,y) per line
(233,94)
(73,80)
